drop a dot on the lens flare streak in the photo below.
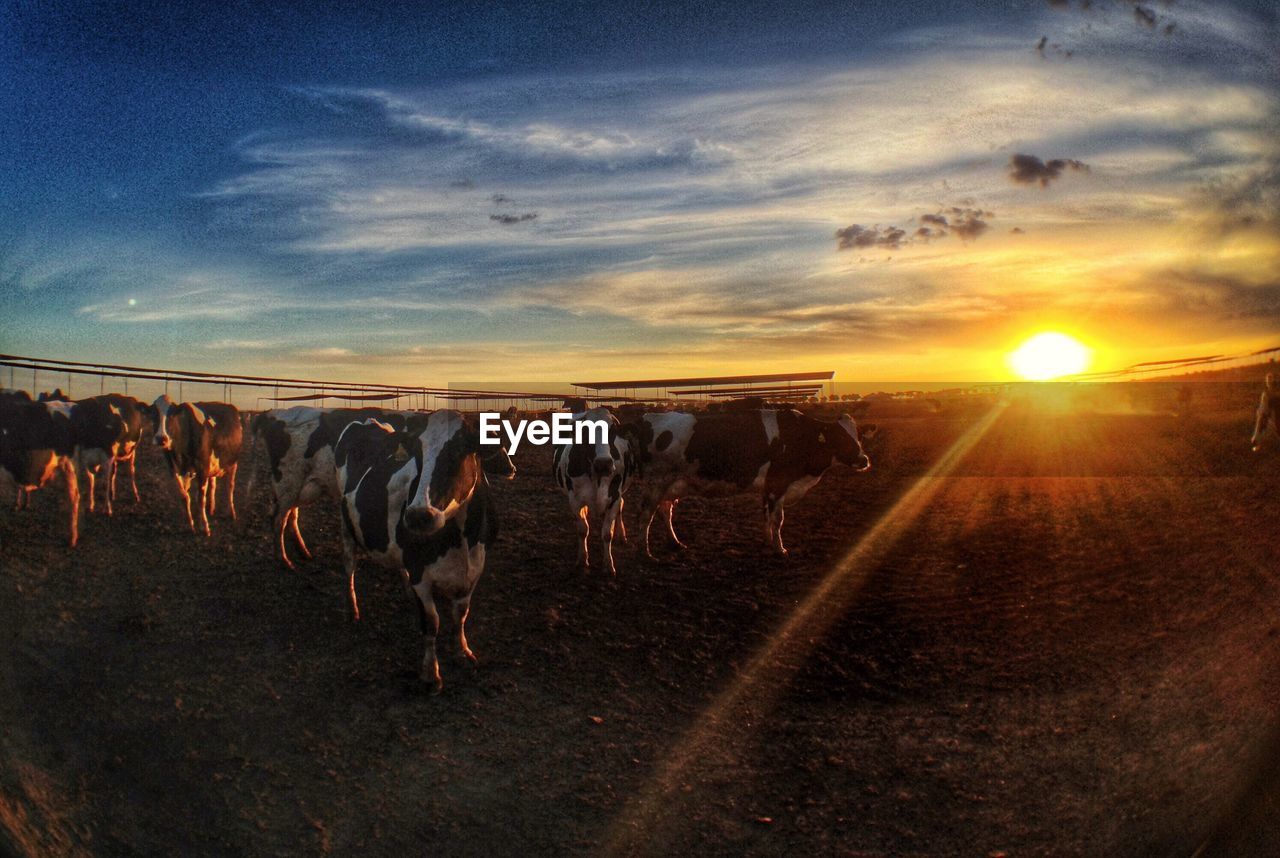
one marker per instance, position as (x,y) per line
(645,825)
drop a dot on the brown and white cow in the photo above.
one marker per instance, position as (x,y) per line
(1268,412)
(36,442)
(107,430)
(201,441)
(299,444)
(782,454)
(420,504)
(594,476)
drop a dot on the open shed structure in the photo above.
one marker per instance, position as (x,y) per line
(777,387)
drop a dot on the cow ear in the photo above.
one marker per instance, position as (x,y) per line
(211,423)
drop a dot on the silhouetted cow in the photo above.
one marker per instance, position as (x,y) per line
(36,442)
(299,443)
(781,454)
(201,441)
(594,477)
(421,504)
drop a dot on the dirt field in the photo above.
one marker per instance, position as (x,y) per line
(1066,643)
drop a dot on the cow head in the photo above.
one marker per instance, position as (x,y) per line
(845,442)
(449,473)
(496,462)
(160,420)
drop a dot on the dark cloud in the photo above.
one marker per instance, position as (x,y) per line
(964,222)
(1144,16)
(507,219)
(968,224)
(1017,230)
(1028,169)
(856,235)
(499,199)
(463,184)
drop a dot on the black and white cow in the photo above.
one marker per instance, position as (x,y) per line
(1268,412)
(201,441)
(594,477)
(107,430)
(781,454)
(299,443)
(36,442)
(421,504)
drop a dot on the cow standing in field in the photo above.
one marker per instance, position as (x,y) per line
(299,447)
(781,454)
(1268,412)
(36,442)
(421,504)
(594,476)
(107,430)
(201,441)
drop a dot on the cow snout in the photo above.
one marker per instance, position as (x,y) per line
(863,464)
(424,521)
(602,468)
(161,440)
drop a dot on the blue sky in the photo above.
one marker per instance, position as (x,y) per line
(513,192)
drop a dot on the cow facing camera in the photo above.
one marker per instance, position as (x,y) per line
(561,429)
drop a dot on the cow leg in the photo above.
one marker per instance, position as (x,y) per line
(89,478)
(21,502)
(648,509)
(231,489)
(297,534)
(773,516)
(668,508)
(184,488)
(582,523)
(280,522)
(133,476)
(206,490)
(110,477)
(430,619)
(349,564)
(1260,425)
(73,498)
(462,610)
(211,495)
(612,516)
(622,524)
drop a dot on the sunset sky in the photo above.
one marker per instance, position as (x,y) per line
(498,191)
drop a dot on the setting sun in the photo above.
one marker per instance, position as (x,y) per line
(1049,355)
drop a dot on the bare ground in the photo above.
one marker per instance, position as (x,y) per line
(1069,645)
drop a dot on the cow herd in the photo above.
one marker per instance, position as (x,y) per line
(412,488)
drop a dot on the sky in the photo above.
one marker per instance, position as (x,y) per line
(502,191)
